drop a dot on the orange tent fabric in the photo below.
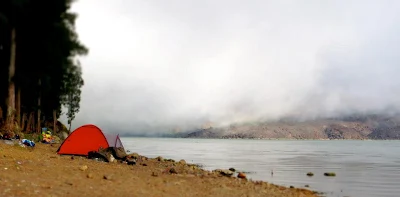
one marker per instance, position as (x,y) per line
(87,138)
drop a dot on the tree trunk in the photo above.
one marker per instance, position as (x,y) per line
(69,111)
(11,84)
(1,115)
(54,121)
(23,122)
(38,112)
(30,122)
(69,130)
(18,106)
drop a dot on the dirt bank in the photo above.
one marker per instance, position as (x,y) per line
(41,172)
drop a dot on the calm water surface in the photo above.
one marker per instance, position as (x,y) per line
(363,168)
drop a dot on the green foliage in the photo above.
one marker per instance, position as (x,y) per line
(47,50)
(73,85)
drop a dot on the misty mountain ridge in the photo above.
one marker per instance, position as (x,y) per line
(356,126)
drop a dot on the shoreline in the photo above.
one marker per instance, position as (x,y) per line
(39,171)
(266,139)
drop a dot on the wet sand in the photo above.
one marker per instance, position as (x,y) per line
(41,172)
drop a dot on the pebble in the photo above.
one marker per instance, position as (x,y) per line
(182,161)
(89,176)
(83,168)
(223,172)
(131,161)
(173,171)
(330,174)
(107,177)
(241,175)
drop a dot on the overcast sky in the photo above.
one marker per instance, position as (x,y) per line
(160,64)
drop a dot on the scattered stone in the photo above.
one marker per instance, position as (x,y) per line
(241,175)
(310,174)
(232,169)
(53,157)
(182,161)
(133,155)
(159,158)
(89,176)
(227,173)
(111,158)
(173,171)
(83,168)
(69,183)
(306,185)
(291,186)
(72,157)
(143,164)
(154,174)
(330,174)
(107,177)
(131,161)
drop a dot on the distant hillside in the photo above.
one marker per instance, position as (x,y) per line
(352,127)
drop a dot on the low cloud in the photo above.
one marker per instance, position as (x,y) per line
(156,66)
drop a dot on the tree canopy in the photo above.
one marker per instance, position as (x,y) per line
(46,47)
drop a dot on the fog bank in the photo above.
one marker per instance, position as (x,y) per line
(158,66)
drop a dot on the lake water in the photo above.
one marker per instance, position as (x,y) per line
(363,168)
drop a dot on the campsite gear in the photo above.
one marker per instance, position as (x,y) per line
(28,142)
(6,136)
(108,154)
(47,137)
(88,138)
(98,156)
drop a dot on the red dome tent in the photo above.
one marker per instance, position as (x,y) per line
(87,138)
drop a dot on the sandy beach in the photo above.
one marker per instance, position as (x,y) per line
(40,171)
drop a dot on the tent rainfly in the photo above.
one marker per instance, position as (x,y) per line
(88,138)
